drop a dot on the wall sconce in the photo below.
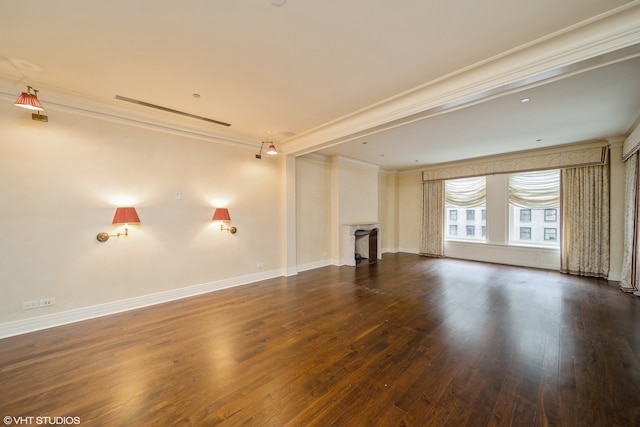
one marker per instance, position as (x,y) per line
(270,150)
(222,214)
(126,216)
(30,101)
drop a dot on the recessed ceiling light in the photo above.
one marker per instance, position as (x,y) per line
(196,95)
(525,100)
(539,140)
(278,2)
(364,142)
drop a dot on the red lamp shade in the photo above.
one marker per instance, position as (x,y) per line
(221,214)
(29,100)
(127,215)
(272,149)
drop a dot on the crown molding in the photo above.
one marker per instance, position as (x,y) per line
(605,39)
(316,157)
(76,104)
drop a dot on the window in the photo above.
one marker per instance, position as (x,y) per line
(483,230)
(550,215)
(466,194)
(534,200)
(484,214)
(550,234)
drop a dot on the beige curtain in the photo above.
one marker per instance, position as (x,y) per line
(585,214)
(432,238)
(629,279)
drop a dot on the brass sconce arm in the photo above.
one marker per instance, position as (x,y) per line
(231,230)
(103,236)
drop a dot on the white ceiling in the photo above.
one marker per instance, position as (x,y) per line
(599,103)
(280,72)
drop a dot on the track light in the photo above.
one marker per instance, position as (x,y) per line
(270,150)
(29,100)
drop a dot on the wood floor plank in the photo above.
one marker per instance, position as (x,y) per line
(408,341)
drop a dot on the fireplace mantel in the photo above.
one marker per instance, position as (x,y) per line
(348,241)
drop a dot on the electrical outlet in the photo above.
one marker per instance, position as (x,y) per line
(28,305)
(47,302)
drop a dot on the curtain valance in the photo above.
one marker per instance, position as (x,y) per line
(586,155)
(631,144)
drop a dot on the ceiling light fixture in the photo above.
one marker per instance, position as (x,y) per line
(29,100)
(271,150)
(523,100)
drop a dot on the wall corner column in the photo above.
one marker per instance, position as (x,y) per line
(289,218)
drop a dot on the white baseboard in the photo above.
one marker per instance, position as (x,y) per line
(415,251)
(58,319)
(290,271)
(313,265)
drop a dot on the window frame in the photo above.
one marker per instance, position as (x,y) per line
(555,234)
(555,215)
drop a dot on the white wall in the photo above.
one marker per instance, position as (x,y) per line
(313,215)
(61,181)
(388,210)
(410,211)
(357,188)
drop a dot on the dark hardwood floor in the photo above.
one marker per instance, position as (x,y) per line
(408,341)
